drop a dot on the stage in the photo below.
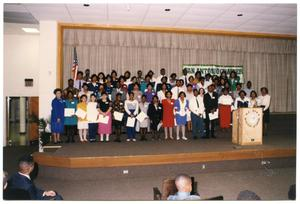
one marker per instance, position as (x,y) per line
(279,143)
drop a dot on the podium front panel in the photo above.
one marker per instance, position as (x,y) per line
(235,127)
(250,126)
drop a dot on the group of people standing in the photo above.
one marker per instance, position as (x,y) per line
(190,101)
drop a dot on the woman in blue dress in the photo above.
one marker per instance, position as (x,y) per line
(181,107)
(57,116)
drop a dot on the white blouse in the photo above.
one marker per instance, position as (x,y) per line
(264,101)
(225,100)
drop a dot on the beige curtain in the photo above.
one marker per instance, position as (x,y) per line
(267,62)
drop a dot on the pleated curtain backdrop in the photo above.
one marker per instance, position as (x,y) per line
(267,62)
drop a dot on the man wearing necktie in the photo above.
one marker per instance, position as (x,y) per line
(79,81)
(196,107)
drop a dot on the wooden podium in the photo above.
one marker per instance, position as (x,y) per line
(247,126)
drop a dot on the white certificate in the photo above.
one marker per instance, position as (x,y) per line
(69,112)
(92,112)
(213,116)
(159,126)
(141,116)
(118,116)
(130,122)
(80,113)
(103,119)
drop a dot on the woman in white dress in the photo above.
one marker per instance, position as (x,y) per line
(144,125)
(162,93)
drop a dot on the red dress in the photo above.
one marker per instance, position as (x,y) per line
(168,113)
(225,115)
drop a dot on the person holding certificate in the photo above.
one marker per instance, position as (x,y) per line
(92,106)
(144,105)
(225,102)
(70,117)
(104,108)
(132,109)
(181,108)
(211,105)
(57,116)
(118,110)
(82,124)
(242,101)
(168,114)
(155,112)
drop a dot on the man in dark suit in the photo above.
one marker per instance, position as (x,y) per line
(22,180)
(211,105)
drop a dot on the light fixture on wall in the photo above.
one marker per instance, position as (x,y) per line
(30,30)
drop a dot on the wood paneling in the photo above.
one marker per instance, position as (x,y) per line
(142,160)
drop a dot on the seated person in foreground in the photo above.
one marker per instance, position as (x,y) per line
(184,186)
(22,180)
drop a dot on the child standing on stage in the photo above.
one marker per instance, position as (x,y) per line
(57,116)
(118,106)
(131,108)
(82,124)
(181,108)
(104,108)
(144,125)
(92,104)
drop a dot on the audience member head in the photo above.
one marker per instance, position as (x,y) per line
(70,82)
(173,76)
(163,71)
(93,98)
(57,93)
(211,88)
(191,79)
(189,87)
(198,75)
(238,86)
(85,86)
(183,183)
(70,95)
(233,74)
(144,98)
(113,74)
(87,72)
(150,73)
(104,96)
(253,94)
(264,91)
(201,91)
(181,95)
(26,164)
(5,179)
(248,195)
(83,98)
(249,84)
(79,75)
(168,94)
(94,78)
(225,91)
(195,92)
(181,82)
(242,94)
(164,79)
(118,96)
(207,76)
(101,76)
(127,75)
(155,99)
(178,82)
(149,87)
(131,95)
(292,192)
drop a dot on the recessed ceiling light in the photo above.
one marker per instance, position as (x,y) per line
(240,14)
(30,30)
(86,5)
(167,9)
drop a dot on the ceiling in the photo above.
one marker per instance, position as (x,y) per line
(263,18)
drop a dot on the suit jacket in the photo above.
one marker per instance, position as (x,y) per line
(210,102)
(154,114)
(18,181)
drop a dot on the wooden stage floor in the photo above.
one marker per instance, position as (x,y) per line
(280,142)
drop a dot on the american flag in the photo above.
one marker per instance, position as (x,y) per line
(75,65)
